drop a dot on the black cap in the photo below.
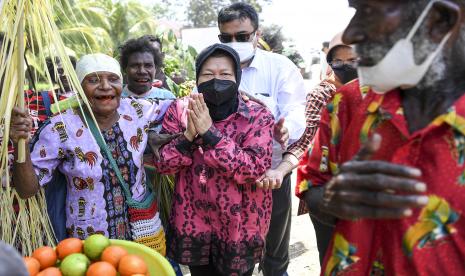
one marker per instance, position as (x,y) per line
(207,52)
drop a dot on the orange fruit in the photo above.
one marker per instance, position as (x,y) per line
(132,264)
(46,256)
(32,265)
(101,268)
(51,271)
(68,246)
(113,254)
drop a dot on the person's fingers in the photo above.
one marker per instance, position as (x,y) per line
(277,183)
(17,135)
(285,137)
(196,107)
(156,153)
(23,127)
(381,167)
(266,183)
(260,178)
(244,96)
(377,182)
(191,120)
(280,123)
(197,104)
(21,112)
(203,103)
(369,148)
(351,211)
(381,199)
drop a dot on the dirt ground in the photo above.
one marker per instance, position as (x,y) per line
(303,250)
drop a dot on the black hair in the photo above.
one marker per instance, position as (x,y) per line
(152,38)
(51,64)
(219,50)
(333,51)
(140,45)
(239,11)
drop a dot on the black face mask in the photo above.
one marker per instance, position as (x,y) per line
(346,73)
(220,97)
(217,92)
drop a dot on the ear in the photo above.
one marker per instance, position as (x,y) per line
(258,35)
(445,17)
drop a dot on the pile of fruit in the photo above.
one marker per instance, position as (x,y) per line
(93,257)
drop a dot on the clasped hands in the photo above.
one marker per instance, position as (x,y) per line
(198,117)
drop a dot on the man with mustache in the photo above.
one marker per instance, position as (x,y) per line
(388,166)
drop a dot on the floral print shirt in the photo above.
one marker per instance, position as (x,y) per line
(432,240)
(218,213)
(95,201)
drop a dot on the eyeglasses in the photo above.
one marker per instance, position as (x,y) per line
(240,37)
(340,63)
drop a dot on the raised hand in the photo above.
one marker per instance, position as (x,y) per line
(281,133)
(200,114)
(373,189)
(191,132)
(21,125)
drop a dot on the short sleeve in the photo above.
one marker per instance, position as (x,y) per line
(153,110)
(46,150)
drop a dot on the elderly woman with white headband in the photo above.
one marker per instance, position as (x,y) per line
(100,198)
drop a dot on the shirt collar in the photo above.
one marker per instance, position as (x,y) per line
(455,116)
(391,104)
(257,59)
(129,93)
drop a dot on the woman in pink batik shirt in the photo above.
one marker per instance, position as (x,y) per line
(219,217)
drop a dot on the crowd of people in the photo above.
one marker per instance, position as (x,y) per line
(378,143)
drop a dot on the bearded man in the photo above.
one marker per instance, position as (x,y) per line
(388,165)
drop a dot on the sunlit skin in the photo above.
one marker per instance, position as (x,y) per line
(140,72)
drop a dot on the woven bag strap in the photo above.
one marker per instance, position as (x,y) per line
(103,146)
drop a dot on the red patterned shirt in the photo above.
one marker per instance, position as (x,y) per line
(218,213)
(432,240)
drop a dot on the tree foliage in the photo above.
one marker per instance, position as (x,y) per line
(203,13)
(102,25)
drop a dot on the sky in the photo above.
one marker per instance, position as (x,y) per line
(308,22)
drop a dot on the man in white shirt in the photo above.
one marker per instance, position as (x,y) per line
(277,82)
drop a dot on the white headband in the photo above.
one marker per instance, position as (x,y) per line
(93,63)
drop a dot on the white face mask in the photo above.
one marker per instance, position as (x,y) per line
(398,67)
(246,50)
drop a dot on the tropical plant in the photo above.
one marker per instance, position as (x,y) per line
(102,25)
(204,13)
